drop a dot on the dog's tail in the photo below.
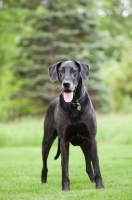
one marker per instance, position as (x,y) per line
(58,150)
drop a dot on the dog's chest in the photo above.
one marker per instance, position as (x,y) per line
(76,134)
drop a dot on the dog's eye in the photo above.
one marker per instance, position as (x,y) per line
(61,71)
(74,71)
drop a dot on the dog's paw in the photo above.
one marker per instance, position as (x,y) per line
(65,186)
(99,184)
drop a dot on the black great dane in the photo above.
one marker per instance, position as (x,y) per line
(71,118)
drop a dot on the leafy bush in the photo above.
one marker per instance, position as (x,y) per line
(122,83)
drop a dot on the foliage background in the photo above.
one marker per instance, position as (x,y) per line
(35,35)
(110,77)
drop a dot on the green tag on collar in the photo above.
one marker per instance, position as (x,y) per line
(79,107)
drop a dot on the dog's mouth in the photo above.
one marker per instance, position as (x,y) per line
(68,96)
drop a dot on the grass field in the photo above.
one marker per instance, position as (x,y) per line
(20,175)
(112,129)
(20,163)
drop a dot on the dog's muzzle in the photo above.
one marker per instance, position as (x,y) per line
(67,88)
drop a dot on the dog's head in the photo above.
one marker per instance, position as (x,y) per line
(68,73)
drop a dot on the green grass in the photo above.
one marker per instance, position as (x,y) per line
(24,132)
(20,162)
(115,129)
(20,169)
(112,129)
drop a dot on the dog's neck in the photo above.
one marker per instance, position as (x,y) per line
(75,105)
(79,91)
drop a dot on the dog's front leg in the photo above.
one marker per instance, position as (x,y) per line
(64,146)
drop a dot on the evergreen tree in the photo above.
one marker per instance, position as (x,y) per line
(61,30)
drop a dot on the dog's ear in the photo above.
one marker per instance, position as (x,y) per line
(52,71)
(84,69)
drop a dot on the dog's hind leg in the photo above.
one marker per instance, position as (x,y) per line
(89,168)
(95,162)
(50,135)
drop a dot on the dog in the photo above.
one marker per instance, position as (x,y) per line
(71,118)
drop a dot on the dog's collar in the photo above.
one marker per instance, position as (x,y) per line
(76,103)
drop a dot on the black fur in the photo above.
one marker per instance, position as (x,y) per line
(71,124)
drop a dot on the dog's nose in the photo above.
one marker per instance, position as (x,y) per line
(66,84)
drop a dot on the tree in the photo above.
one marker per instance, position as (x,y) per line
(122,84)
(115,17)
(60,31)
(11,25)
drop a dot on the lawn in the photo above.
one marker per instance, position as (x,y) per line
(20,163)
(112,129)
(20,169)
